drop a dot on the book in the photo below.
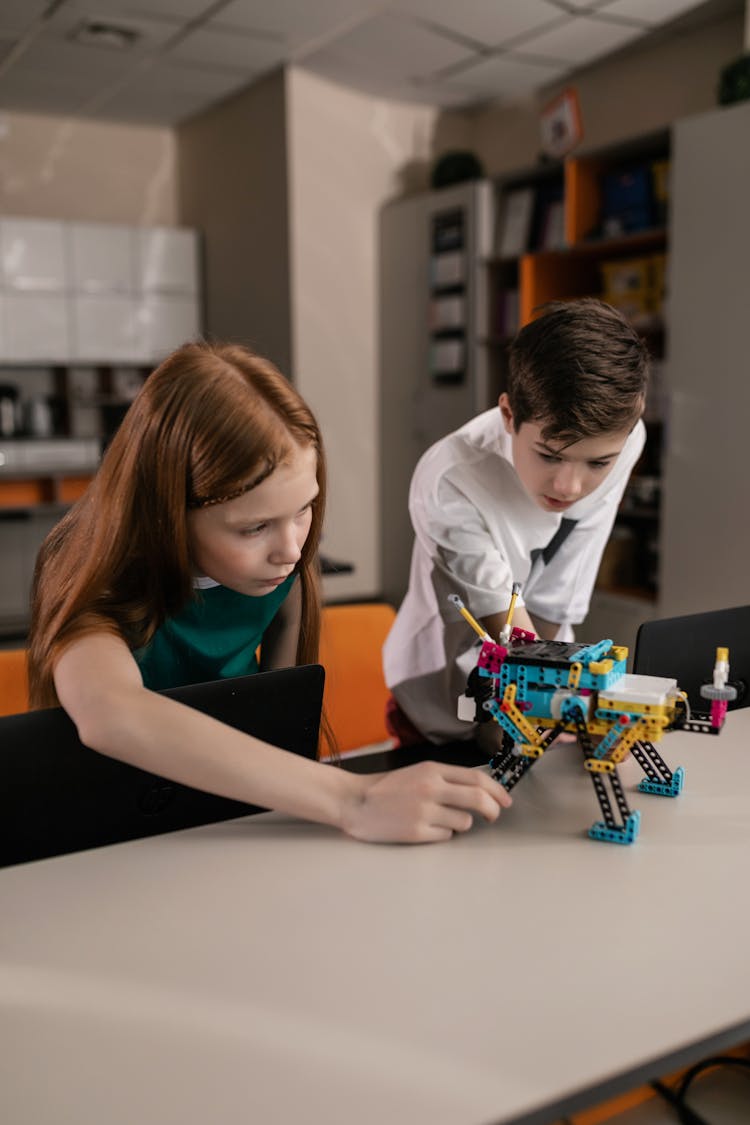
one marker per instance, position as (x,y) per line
(515,226)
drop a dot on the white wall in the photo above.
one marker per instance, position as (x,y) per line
(233,188)
(345,153)
(72,168)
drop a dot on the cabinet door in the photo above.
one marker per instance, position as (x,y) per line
(433,377)
(101,257)
(14,588)
(164,323)
(166,260)
(33,254)
(105,329)
(706,532)
(35,327)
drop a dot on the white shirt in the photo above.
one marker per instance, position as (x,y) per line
(477,531)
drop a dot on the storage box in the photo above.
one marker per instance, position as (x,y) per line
(626,276)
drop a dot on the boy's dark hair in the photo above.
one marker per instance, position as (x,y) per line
(580,369)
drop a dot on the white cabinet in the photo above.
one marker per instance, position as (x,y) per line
(104,329)
(101,258)
(33,255)
(166,322)
(166,260)
(34,312)
(35,328)
(95,292)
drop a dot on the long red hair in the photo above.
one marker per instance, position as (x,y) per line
(210,421)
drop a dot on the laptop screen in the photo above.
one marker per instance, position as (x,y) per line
(58,796)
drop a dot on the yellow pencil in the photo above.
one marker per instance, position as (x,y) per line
(454,598)
(506,629)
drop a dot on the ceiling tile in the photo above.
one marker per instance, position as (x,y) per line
(297,23)
(166,95)
(485,21)
(581,40)
(17,16)
(504,76)
(384,50)
(586,5)
(152,32)
(231,50)
(175,11)
(65,60)
(651,12)
(64,94)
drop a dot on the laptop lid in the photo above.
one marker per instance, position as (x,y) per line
(58,796)
(685,649)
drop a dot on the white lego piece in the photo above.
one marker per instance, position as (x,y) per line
(632,688)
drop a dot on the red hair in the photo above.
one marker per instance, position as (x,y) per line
(210,421)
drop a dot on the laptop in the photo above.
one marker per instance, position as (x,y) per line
(58,796)
(684,648)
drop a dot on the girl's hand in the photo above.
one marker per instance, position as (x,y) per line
(422,804)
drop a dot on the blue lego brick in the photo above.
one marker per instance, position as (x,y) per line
(601,681)
(628,834)
(671,788)
(503,720)
(592,652)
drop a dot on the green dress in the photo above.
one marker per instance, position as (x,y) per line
(213,638)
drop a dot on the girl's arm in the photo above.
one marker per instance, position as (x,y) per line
(279,647)
(99,684)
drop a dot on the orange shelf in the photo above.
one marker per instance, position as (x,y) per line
(42,490)
(22,493)
(554,275)
(70,489)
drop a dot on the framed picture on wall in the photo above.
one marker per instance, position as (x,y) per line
(561,125)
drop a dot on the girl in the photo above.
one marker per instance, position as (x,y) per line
(196,541)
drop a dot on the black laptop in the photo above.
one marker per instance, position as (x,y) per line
(57,796)
(684,648)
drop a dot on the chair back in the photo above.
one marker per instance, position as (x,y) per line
(684,648)
(14,681)
(351,643)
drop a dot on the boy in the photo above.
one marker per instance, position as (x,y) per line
(525,492)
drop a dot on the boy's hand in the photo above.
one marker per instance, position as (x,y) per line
(422,804)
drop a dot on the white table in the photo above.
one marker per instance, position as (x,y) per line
(265,970)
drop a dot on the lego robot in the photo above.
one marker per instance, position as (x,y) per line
(535,689)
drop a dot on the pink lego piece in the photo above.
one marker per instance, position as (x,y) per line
(491,657)
(718,711)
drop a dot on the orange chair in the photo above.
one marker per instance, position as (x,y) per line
(351,642)
(14,682)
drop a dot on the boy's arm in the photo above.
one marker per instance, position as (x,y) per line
(279,646)
(523,620)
